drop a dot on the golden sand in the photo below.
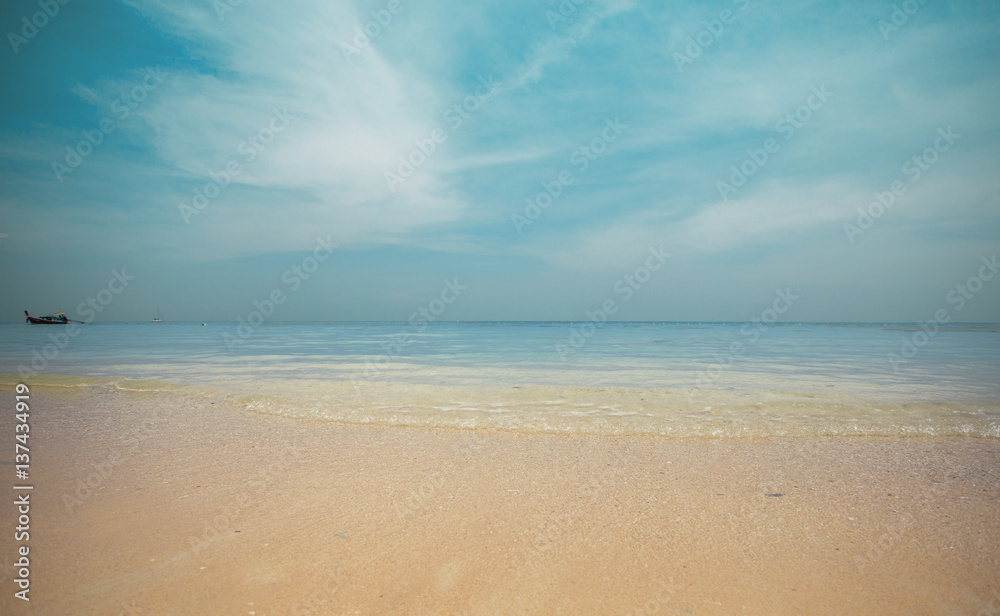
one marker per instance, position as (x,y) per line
(197,507)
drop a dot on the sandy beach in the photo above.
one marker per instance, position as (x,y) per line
(494,308)
(179,503)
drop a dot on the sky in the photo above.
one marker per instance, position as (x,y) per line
(499,160)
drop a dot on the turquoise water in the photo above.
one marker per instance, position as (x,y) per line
(960,361)
(384,371)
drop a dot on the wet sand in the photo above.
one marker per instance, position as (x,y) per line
(196,507)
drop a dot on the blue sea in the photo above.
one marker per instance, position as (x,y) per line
(669,379)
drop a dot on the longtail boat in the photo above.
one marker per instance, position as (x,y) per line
(58,318)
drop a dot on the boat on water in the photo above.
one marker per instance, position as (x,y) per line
(159,317)
(58,318)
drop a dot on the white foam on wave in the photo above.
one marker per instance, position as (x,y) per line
(671,413)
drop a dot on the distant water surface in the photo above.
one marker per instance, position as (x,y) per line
(662,378)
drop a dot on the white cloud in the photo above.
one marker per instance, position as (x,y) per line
(558,47)
(777,214)
(353,118)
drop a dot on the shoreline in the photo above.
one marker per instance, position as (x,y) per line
(596,410)
(195,507)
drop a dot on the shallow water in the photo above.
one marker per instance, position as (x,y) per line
(682,379)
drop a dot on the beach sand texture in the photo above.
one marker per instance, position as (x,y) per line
(196,506)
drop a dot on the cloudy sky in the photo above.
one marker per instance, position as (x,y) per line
(206,149)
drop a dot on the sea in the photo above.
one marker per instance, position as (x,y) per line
(714,380)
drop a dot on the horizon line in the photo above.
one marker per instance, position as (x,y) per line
(527,321)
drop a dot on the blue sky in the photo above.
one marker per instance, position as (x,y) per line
(666,99)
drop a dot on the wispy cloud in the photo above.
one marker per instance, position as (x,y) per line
(558,46)
(355,117)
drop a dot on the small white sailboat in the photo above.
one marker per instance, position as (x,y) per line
(159,316)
